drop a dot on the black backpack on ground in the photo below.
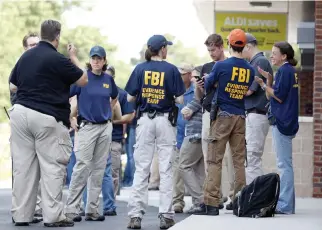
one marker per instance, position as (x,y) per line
(259,198)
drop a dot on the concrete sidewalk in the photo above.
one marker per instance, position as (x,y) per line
(308,217)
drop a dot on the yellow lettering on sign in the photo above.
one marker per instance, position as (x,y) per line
(153,78)
(243,74)
(267,28)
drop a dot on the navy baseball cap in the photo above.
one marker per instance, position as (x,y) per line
(251,38)
(156,42)
(97,51)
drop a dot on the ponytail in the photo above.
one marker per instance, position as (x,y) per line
(292,61)
(149,54)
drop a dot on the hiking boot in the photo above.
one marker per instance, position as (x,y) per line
(207,210)
(194,209)
(178,209)
(166,223)
(64,223)
(74,216)
(94,217)
(135,223)
(110,213)
(38,213)
(229,206)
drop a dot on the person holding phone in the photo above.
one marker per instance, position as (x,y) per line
(283,116)
(227,121)
(40,142)
(215,47)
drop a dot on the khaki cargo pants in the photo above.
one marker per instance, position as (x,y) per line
(223,130)
(92,147)
(116,152)
(39,146)
(228,161)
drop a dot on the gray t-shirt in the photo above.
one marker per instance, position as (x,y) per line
(258,99)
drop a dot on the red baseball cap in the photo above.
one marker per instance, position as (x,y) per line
(237,37)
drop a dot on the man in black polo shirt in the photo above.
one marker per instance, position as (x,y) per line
(29,41)
(40,142)
(255,104)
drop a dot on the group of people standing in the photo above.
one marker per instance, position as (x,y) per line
(189,115)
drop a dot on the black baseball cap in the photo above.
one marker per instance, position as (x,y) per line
(251,38)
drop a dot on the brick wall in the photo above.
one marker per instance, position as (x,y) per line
(317,103)
(306,93)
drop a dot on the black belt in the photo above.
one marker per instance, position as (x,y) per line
(96,123)
(153,113)
(255,111)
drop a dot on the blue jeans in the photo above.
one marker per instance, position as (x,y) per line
(107,189)
(283,149)
(130,165)
(71,164)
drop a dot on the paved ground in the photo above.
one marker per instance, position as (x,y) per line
(119,222)
(308,217)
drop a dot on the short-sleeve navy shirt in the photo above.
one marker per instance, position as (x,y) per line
(43,77)
(234,77)
(93,100)
(126,108)
(155,84)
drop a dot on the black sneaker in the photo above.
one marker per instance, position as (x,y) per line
(34,221)
(166,223)
(38,213)
(229,206)
(135,223)
(207,210)
(178,209)
(94,217)
(64,223)
(110,213)
(73,216)
(153,188)
(194,209)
